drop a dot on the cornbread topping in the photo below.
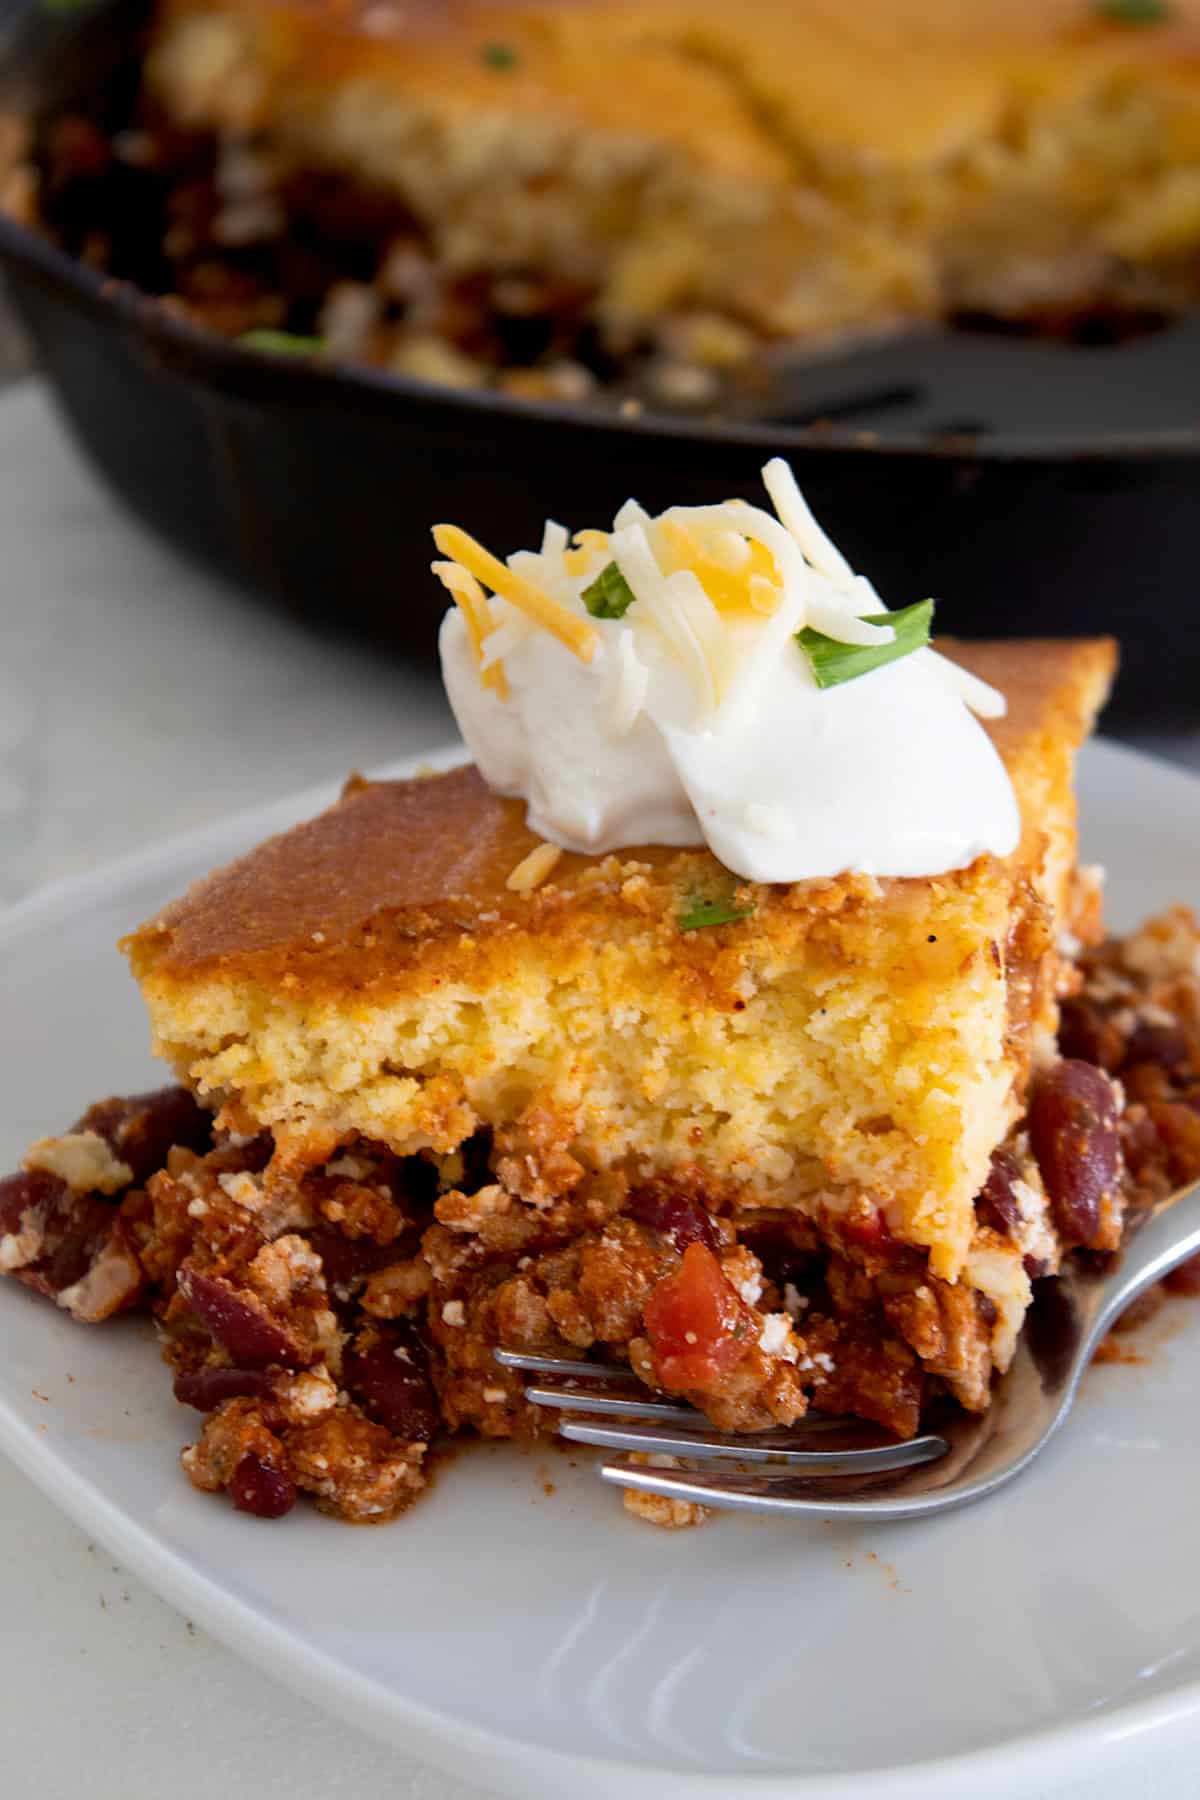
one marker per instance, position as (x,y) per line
(720,676)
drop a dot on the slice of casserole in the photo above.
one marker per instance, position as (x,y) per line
(449,1090)
(835,1066)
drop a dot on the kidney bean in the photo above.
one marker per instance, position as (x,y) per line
(679,1218)
(28,1191)
(259,1489)
(389,1377)
(997,1204)
(206,1389)
(345,1260)
(239,1321)
(142,1128)
(1086,1033)
(250,1158)
(1165,1045)
(77,149)
(57,1235)
(1073,1131)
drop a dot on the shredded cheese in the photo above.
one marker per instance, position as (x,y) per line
(463,588)
(796,516)
(764,596)
(677,607)
(533,869)
(506,638)
(628,686)
(728,591)
(582,639)
(979,695)
(699,576)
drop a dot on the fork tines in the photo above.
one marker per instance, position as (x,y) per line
(782,1460)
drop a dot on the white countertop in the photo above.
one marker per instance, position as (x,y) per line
(137,698)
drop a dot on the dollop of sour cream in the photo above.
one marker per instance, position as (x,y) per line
(695,718)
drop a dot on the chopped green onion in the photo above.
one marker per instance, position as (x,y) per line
(722,909)
(833,662)
(280,343)
(499,56)
(610,595)
(1133,12)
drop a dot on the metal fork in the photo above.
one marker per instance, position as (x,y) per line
(838,1467)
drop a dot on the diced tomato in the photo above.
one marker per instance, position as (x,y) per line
(866,1227)
(697,1323)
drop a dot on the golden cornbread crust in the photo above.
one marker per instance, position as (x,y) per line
(371,972)
(801,165)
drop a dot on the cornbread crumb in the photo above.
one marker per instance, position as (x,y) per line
(658,1509)
(469,1212)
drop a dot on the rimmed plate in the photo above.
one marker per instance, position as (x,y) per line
(517,1627)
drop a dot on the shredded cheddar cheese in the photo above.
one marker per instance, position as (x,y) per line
(577,634)
(463,588)
(720,590)
(728,591)
(533,869)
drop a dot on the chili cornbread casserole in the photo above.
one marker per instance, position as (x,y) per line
(547,193)
(774,1142)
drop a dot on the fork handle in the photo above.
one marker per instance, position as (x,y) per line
(1168,1236)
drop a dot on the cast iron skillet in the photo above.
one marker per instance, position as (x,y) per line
(1036,488)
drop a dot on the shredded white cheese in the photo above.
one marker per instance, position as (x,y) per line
(686,711)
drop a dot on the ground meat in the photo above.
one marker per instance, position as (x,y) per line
(398,1289)
(945,1326)
(355,1468)
(236,1430)
(861,1369)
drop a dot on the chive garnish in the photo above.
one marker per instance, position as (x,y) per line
(721,909)
(1133,12)
(499,56)
(280,343)
(610,595)
(833,662)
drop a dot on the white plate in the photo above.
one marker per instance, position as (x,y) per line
(547,1644)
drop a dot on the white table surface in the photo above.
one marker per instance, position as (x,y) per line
(137,698)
